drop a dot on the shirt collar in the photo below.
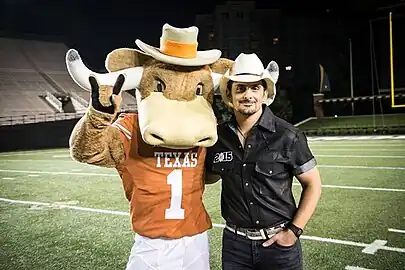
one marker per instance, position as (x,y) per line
(265,121)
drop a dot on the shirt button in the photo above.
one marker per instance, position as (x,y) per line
(249,146)
(244,165)
(247,184)
(257,222)
(251,203)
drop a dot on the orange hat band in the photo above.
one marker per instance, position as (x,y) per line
(179,49)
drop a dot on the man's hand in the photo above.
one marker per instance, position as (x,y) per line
(106,99)
(284,238)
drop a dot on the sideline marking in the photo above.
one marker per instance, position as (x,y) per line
(349,267)
(361,167)
(36,152)
(359,156)
(396,230)
(374,247)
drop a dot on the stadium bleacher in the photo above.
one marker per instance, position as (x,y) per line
(35,84)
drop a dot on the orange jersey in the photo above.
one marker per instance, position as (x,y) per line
(164,186)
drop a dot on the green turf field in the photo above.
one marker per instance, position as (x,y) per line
(53,211)
(355,121)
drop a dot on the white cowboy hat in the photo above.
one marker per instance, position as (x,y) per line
(178,46)
(249,68)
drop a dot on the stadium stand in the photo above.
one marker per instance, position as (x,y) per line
(35,85)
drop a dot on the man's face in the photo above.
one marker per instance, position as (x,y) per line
(247,98)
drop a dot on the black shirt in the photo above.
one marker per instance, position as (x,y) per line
(257,180)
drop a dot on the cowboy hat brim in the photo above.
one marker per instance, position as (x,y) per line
(203,57)
(271,88)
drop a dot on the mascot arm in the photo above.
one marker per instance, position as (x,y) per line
(211,178)
(94,139)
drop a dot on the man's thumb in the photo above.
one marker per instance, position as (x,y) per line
(270,241)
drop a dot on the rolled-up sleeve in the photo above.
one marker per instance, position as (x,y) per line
(301,157)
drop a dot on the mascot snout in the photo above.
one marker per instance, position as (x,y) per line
(197,125)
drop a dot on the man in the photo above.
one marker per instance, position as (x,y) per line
(257,155)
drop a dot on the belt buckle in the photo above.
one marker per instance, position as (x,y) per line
(275,229)
(249,233)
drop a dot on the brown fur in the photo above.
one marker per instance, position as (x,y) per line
(174,77)
(180,82)
(221,66)
(105,93)
(126,58)
(95,141)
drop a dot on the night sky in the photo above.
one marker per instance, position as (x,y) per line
(97,27)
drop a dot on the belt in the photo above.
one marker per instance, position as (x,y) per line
(257,234)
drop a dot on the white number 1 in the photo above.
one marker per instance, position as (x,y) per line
(175,179)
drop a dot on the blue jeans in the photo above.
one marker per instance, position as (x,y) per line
(240,253)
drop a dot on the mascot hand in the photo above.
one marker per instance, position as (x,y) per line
(105,98)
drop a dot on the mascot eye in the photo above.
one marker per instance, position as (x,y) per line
(160,85)
(199,89)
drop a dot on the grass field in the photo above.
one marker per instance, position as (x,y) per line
(59,214)
(355,121)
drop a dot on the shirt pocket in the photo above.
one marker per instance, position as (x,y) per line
(273,178)
(274,169)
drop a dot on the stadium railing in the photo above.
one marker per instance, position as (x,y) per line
(37,118)
(49,117)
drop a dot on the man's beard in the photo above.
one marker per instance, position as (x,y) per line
(249,110)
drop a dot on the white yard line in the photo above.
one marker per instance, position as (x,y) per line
(375,246)
(38,152)
(116,175)
(39,160)
(359,156)
(358,149)
(349,267)
(372,246)
(396,230)
(362,188)
(361,167)
(355,138)
(334,144)
(60,173)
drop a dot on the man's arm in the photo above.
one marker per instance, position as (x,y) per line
(311,193)
(304,169)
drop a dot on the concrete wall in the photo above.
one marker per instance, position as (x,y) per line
(36,135)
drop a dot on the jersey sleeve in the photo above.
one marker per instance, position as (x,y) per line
(125,124)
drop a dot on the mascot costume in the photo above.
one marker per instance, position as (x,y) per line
(159,152)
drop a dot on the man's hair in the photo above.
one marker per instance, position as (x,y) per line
(229,87)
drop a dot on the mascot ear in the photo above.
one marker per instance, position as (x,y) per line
(123,58)
(221,65)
